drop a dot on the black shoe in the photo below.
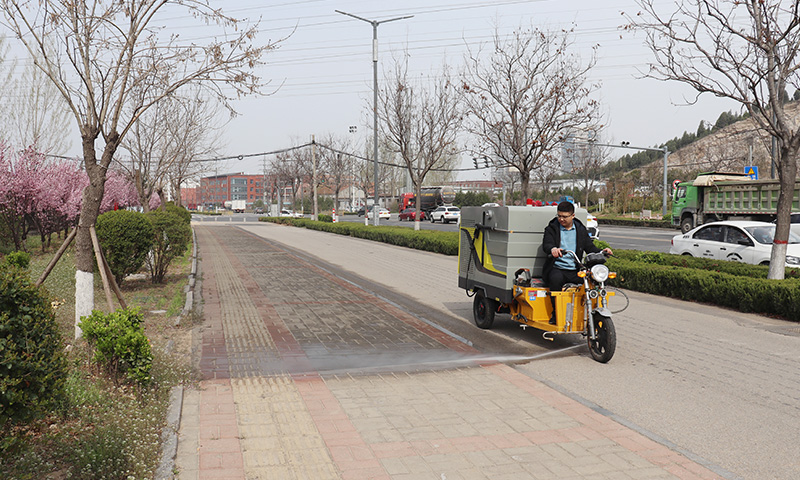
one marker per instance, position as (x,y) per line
(553,320)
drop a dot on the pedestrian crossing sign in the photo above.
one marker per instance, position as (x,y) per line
(752,172)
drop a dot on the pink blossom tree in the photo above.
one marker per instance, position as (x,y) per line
(18,187)
(58,198)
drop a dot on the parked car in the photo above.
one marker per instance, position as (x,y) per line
(383,213)
(259,210)
(411,215)
(446,214)
(735,240)
(289,213)
(361,210)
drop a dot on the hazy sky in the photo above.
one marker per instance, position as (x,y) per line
(325,66)
(322,73)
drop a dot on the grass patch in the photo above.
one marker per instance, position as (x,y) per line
(105,428)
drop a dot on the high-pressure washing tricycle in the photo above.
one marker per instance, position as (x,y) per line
(500,263)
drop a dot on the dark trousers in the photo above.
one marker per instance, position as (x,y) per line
(556,280)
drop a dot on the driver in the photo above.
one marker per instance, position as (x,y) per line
(563,233)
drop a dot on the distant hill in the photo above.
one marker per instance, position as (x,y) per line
(729,149)
(723,148)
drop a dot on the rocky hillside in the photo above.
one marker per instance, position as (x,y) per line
(730,149)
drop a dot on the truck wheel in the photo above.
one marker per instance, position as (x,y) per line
(686,224)
(604,345)
(483,309)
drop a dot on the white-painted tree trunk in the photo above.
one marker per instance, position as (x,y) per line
(84,298)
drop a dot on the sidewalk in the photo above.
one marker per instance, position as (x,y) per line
(306,375)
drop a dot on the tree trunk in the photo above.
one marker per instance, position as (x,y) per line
(787,174)
(526,181)
(176,190)
(90,209)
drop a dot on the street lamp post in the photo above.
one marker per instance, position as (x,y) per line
(374,24)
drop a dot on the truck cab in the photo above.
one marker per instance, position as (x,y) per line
(684,205)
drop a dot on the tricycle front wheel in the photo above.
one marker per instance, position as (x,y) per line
(483,309)
(603,346)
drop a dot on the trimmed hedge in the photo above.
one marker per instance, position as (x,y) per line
(126,238)
(743,293)
(635,222)
(685,261)
(445,243)
(728,284)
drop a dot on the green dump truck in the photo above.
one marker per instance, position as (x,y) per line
(726,196)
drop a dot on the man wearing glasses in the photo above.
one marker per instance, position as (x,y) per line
(565,233)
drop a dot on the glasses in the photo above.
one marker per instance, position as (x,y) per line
(564,217)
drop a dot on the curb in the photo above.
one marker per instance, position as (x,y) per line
(169,436)
(189,303)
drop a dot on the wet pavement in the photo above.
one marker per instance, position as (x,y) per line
(306,374)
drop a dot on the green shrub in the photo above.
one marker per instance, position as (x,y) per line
(650,257)
(32,364)
(325,218)
(126,238)
(171,237)
(179,211)
(19,259)
(120,343)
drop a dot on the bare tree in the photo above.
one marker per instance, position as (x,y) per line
(99,53)
(194,134)
(288,168)
(148,144)
(164,141)
(525,96)
(421,121)
(586,159)
(748,51)
(32,110)
(336,164)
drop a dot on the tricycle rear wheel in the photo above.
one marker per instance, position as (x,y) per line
(483,309)
(604,345)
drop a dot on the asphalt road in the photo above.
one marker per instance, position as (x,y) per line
(628,238)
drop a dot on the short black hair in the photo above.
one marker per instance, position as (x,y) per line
(566,206)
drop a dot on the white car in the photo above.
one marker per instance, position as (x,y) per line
(735,240)
(446,214)
(383,213)
(289,213)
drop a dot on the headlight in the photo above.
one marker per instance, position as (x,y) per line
(792,260)
(600,273)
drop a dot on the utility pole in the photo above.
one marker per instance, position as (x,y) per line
(374,24)
(314,176)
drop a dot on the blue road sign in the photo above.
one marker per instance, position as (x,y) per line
(752,171)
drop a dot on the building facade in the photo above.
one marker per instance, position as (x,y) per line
(216,190)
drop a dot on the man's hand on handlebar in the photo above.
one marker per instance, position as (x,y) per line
(608,252)
(556,252)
